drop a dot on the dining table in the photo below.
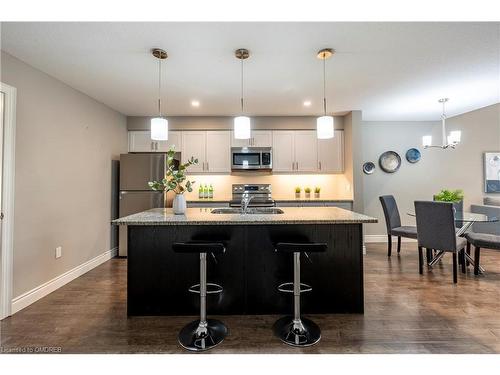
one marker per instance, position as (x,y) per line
(463,222)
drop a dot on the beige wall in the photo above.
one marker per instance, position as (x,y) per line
(461,168)
(65,144)
(225,122)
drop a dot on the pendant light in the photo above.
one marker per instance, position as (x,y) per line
(242,123)
(159,125)
(325,124)
(450,141)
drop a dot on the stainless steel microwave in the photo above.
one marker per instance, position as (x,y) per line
(251,158)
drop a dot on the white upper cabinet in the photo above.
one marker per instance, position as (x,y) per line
(294,151)
(306,151)
(218,151)
(331,153)
(140,141)
(261,138)
(283,151)
(301,151)
(212,149)
(174,139)
(258,138)
(193,144)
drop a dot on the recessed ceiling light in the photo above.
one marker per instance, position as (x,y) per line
(307,103)
(195,103)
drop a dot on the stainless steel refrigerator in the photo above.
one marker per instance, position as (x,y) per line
(136,170)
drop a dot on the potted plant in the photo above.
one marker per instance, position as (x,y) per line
(298,189)
(317,190)
(307,190)
(175,180)
(454,196)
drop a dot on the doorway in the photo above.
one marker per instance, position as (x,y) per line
(7,147)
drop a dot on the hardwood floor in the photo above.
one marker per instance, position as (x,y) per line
(404,313)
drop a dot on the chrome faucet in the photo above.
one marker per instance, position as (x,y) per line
(245,201)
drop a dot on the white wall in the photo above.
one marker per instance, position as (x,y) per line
(438,169)
(65,144)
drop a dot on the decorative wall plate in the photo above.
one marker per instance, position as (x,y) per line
(368,167)
(389,161)
(413,155)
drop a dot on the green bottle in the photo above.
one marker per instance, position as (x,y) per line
(200,192)
(211,191)
(205,191)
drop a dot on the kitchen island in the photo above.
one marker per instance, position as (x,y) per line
(250,270)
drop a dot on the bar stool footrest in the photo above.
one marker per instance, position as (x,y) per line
(211,288)
(288,288)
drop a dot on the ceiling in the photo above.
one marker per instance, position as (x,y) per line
(390,71)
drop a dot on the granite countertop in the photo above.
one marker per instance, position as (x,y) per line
(203,216)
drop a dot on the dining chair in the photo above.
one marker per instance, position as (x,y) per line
(481,240)
(393,223)
(436,230)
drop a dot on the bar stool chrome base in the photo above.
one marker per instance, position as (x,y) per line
(197,337)
(303,332)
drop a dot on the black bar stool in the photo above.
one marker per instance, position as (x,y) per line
(295,330)
(202,334)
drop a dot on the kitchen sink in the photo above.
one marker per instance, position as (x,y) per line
(250,211)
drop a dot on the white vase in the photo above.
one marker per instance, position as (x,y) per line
(179,204)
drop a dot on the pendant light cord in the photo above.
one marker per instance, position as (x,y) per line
(324,84)
(241,86)
(159,86)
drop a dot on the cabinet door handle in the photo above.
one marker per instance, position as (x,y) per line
(297,164)
(207,167)
(152,146)
(319,165)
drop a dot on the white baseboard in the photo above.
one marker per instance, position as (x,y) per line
(41,291)
(372,238)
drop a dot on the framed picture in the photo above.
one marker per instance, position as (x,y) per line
(492,172)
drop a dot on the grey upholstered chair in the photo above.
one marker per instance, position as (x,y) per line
(481,240)
(436,230)
(393,223)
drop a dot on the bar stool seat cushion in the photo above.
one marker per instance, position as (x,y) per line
(199,247)
(405,231)
(297,247)
(488,241)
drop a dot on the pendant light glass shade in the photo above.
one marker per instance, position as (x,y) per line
(427,140)
(325,127)
(242,127)
(455,136)
(159,129)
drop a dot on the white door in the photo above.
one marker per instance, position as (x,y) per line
(306,151)
(174,140)
(283,151)
(140,141)
(262,138)
(331,153)
(218,151)
(239,142)
(193,144)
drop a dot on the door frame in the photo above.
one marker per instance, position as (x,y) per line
(7,248)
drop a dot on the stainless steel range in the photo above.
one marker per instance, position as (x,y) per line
(257,195)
